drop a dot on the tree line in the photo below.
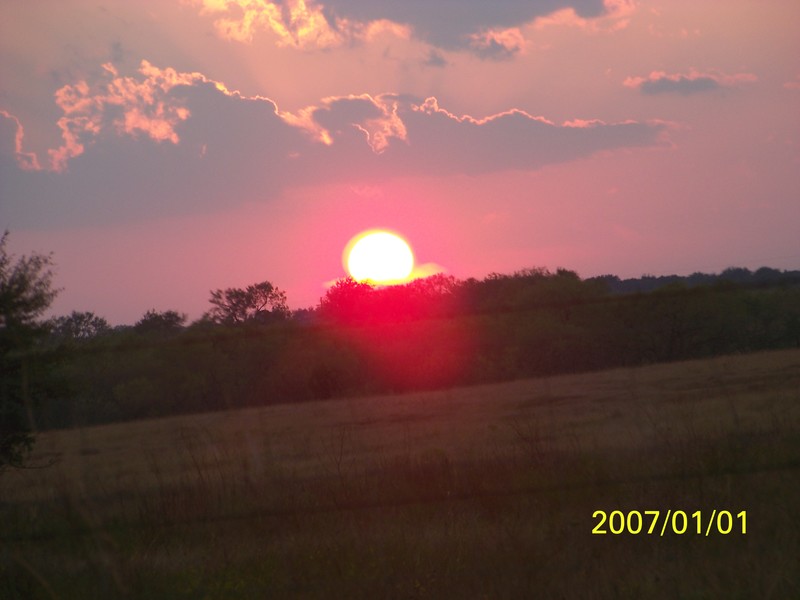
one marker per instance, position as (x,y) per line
(250,349)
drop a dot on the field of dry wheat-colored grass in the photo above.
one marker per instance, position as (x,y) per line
(485,491)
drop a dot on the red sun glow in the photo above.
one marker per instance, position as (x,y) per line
(380,257)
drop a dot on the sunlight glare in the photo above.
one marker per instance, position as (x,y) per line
(379,256)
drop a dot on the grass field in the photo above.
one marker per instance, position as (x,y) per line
(480,492)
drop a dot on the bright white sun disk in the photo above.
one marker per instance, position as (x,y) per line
(379,256)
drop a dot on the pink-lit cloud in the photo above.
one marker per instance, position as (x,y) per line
(202,145)
(498,44)
(489,29)
(376,118)
(126,104)
(793,84)
(513,139)
(295,23)
(615,16)
(25,160)
(694,82)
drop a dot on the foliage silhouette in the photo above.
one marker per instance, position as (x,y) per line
(26,290)
(79,326)
(346,301)
(164,323)
(260,302)
(429,333)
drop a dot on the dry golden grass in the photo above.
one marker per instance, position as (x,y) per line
(484,491)
(629,407)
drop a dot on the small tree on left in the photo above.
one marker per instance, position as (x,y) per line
(26,291)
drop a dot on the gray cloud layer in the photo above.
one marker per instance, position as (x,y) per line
(687,84)
(681,85)
(449,23)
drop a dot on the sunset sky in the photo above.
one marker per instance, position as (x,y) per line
(161,149)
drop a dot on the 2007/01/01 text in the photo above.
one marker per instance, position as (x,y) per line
(658,522)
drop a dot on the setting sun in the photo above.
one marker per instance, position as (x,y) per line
(379,256)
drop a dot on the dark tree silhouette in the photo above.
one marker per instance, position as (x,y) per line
(346,301)
(79,326)
(166,322)
(261,302)
(26,290)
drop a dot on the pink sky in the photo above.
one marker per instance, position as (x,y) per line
(164,149)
